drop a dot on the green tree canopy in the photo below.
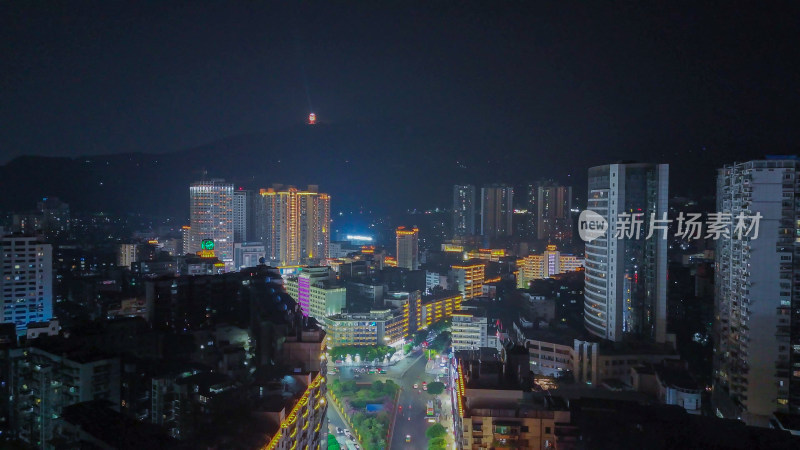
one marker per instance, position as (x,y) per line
(435,388)
(437,444)
(333,444)
(435,431)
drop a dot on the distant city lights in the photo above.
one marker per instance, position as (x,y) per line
(357,237)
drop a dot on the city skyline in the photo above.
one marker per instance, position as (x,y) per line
(450,225)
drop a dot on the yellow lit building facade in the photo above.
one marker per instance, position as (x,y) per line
(407,247)
(433,309)
(303,424)
(469,279)
(546,265)
(294,225)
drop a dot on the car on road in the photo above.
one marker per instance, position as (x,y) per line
(408,438)
(424,387)
(356,376)
(416,385)
(339,430)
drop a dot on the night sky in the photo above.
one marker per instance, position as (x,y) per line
(657,82)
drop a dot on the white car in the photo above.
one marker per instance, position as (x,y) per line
(416,385)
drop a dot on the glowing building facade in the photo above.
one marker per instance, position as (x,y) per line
(26,282)
(211,217)
(463,210)
(294,225)
(546,265)
(407,247)
(434,308)
(468,279)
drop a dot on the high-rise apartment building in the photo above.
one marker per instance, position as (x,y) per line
(294,225)
(626,277)
(127,255)
(553,219)
(497,210)
(42,384)
(211,217)
(468,278)
(546,265)
(757,357)
(531,194)
(463,210)
(185,239)
(242,202)
(26,281)
(407,247)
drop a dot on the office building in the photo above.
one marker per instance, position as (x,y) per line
(469,330)
(407,247)
(26,283)
(626,277)
(757,358)
(377,327)
(294,225)
(546,265)
(433,308)
(463,210)
(247,254)
(468,278)
(497,210)
(553,217)
(317,292)
(242,201)
(211,218)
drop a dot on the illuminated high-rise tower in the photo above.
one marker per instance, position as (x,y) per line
(407,247)
(211,217)
(463,210)
(626,278)
(294,225)
(241,214)
(757,291)
(553,205)
(497,209)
